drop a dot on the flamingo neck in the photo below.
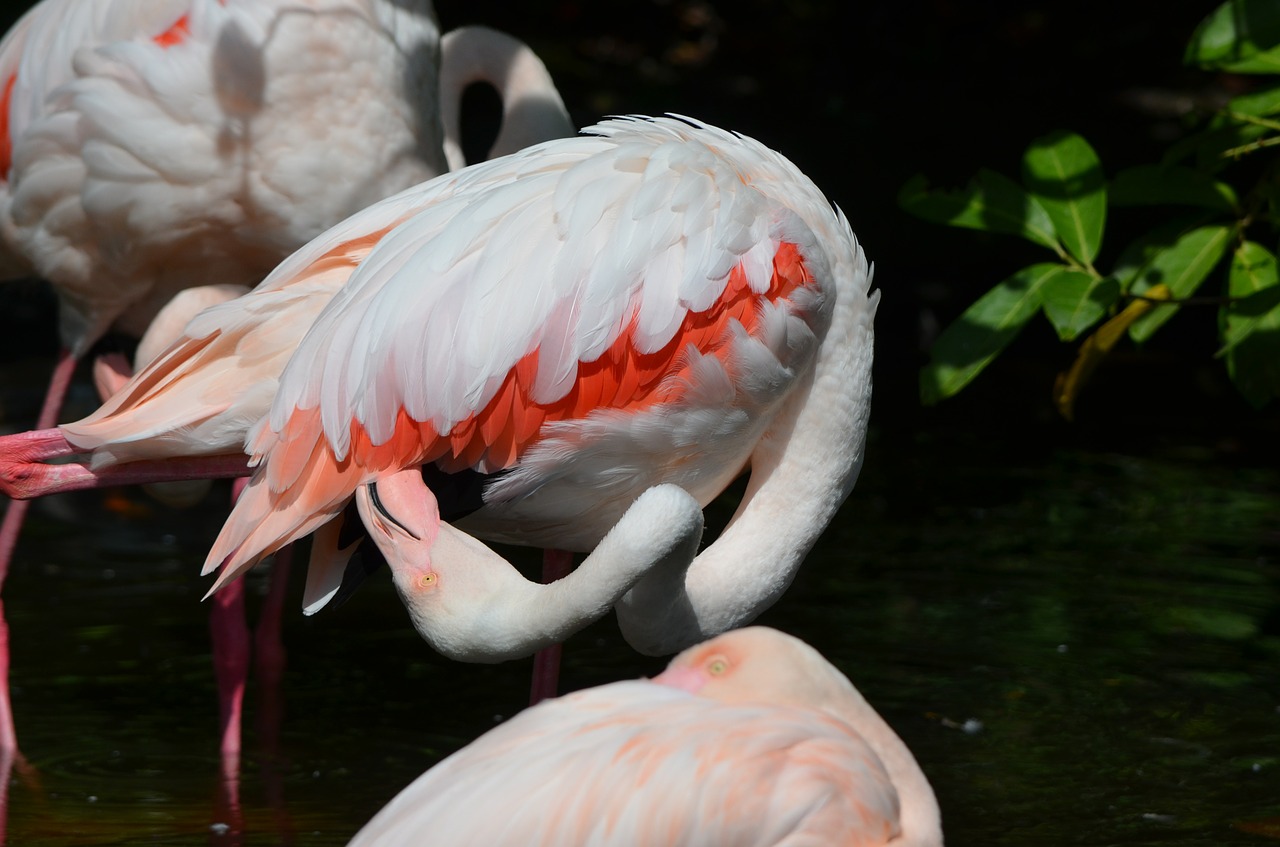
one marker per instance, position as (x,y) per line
(472,605)
(801,472)
(532,110)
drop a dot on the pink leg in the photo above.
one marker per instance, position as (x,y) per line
(229,631)
(25,476)
(231,668)
(63,370)
(6,768)
(8,738)
(59,381)
(269,661)
(268,649)
(230,638)
(546,662)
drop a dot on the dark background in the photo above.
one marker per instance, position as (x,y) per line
(864,95)
(983,535)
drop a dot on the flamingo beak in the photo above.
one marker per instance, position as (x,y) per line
(684,678)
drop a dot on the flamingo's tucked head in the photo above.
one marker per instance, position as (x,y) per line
(401,516)
(759,665)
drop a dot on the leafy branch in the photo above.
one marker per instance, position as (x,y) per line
(1061,204)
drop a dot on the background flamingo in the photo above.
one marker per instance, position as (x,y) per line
(148,147)
(751,738)
(551,334)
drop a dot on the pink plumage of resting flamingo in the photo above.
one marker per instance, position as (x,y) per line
(655,304)
(748,740)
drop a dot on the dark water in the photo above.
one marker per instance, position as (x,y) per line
(1080,646)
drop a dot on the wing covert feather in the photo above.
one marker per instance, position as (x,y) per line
(561,257)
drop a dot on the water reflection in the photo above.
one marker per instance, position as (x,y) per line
(1079,648)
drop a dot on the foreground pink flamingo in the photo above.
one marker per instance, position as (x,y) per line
(549,336)
(751,738)
(148,146)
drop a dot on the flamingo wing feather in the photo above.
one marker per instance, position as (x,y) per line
(547,267)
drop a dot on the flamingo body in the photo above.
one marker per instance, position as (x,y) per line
(655,302)
(155,145)
(592,317)
(767,744)
(149,147)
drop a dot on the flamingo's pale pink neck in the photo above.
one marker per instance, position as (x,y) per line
(801,472)
(532,110)
(470,604)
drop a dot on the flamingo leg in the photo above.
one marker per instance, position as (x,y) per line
(269,662)
(231,641)
(59,382)
(556,564)
(7,757)
(229,633)
(269,652)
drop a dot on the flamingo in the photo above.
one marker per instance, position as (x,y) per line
(149,146)
(548,336)
(751,738)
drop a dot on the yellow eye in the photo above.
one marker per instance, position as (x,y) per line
(717,665)
(427,580)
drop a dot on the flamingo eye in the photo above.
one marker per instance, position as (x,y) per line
(427,580)
(717,665)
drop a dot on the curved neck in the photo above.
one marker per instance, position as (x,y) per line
(801,472)
(471,604)
(532,110)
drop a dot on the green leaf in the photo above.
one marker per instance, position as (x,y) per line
(977,336)
(1181,267)
(1209,149)
(1075,301)
(1137,255)
(990,202)
(1228,131)
(1251,329)
(1171,185)
(1241,36)
(1260,104)
(1064,174)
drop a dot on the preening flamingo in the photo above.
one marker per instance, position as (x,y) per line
(550,334)
(147,146)
(752,738)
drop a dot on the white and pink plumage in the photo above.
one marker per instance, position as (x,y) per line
(159,144)
(750,739)
(655,302)
(149,147)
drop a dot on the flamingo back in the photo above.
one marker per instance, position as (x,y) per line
(633,763)
(651,266)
